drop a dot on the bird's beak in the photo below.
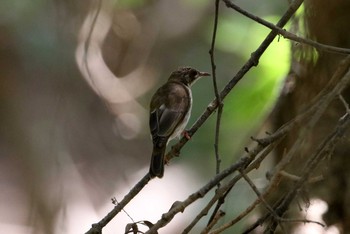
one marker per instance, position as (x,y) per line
(203,74)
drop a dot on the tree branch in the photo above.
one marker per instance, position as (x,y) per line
(286,34)
(253,61)
(180,206)
(216,91)
(321,152)
(97,227)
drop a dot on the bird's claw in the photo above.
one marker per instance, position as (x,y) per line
(186,135)
(175,151)
(166,161)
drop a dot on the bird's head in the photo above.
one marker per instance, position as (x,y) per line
(187,75)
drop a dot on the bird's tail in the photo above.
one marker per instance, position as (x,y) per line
(157,161)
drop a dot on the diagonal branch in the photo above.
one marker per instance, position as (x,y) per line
(312,112)
(97,227)
(286,34)
(321,152)
(253,61)
(342,75)
(180,206)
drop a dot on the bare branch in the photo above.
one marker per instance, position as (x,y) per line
(133,192)
(255,189)
(316,111)
(286,34)
(179,207)
(253,61)
(223,191)
(346,105)
(216,91)
(217,217)
(246,211)
(296,178)
(321,152)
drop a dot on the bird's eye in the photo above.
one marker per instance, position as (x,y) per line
(193,73)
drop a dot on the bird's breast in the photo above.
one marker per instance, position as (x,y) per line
(178,131)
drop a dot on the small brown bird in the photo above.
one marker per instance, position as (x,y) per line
(169,113)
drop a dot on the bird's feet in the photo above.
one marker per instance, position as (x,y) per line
(166,161)
(175,151)
(186,134)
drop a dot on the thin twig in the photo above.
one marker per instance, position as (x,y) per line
(132,193)
(115,202)
(322,151)
(286,34)
(216,91)
(217,217)
(219,102)
(301,221)
(224,189)
(223,192)
(249,209)
(180,206)
(269,208)
(346,105)
(296,178)
(255,189)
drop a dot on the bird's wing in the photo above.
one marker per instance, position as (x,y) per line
(168,110)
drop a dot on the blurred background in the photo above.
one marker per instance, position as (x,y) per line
(76,81)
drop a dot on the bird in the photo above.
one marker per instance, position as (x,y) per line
(170,110)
